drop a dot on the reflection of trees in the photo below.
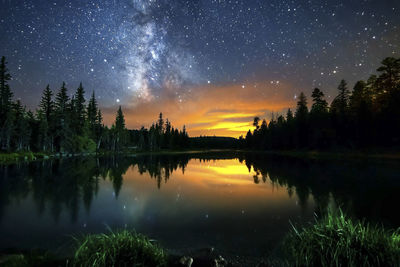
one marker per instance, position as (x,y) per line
(366,190)
(63,184)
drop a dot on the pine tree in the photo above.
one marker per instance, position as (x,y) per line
(319,106)
(119,129)
(99,128)
(62,120)
(46,104)
(92,116)
(339,112)
(302,121)
(289,115)
(361,114)
(390,75)
(341,102)
(319,121)
(6,110)
(302,109)
(79,111)
(46,110)
(61,100)
(22,131)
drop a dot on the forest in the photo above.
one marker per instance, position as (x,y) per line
(366,117)
(64,124)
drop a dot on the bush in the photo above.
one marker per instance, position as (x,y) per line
(122,248)
(83,144)
(339,241)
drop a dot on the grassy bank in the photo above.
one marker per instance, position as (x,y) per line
(336,240)
(121,248)
(13,157)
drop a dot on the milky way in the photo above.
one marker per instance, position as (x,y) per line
(135,51)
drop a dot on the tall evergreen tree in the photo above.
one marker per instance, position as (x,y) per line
(99,128)
(62,120)
(341,102)
(120,130)
(319,103)
(92,116)
(46,110)
(22,131)
(319,121)
(389,76)
(79,112)
(361,114)
(339,112)
(46,104)
(302,121)
(5,92)
(6,110)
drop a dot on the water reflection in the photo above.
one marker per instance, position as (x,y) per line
(205,197)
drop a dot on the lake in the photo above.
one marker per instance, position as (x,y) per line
(238,203)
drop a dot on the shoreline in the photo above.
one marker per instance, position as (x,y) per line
(379,155)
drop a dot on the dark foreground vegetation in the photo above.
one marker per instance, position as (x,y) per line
(367,117)
(334,240)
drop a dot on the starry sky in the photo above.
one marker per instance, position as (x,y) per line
(209,64)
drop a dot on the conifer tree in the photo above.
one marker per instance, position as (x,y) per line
(46,118)
(302,121)
(92,116)
(119,130)
(6,110)
(62,120)
(79,111)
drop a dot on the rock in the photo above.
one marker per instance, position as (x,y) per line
(186,261)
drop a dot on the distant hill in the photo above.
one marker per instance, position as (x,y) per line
(214,142)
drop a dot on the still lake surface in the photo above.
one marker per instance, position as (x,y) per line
(237,203)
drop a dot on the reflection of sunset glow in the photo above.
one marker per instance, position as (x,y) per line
(229,168)
(208,180)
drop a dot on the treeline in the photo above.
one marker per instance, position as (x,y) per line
(64,124)
(161,135)
(369,116)
(60,124)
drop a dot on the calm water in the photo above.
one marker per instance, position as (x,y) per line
(237,203)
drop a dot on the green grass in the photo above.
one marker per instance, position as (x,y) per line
(120,248)
(16,156)
(336,240)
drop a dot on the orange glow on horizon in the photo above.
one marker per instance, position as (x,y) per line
(210,110)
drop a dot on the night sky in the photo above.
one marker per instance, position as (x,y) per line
(212,65)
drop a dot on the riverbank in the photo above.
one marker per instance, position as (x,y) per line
(376,155)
